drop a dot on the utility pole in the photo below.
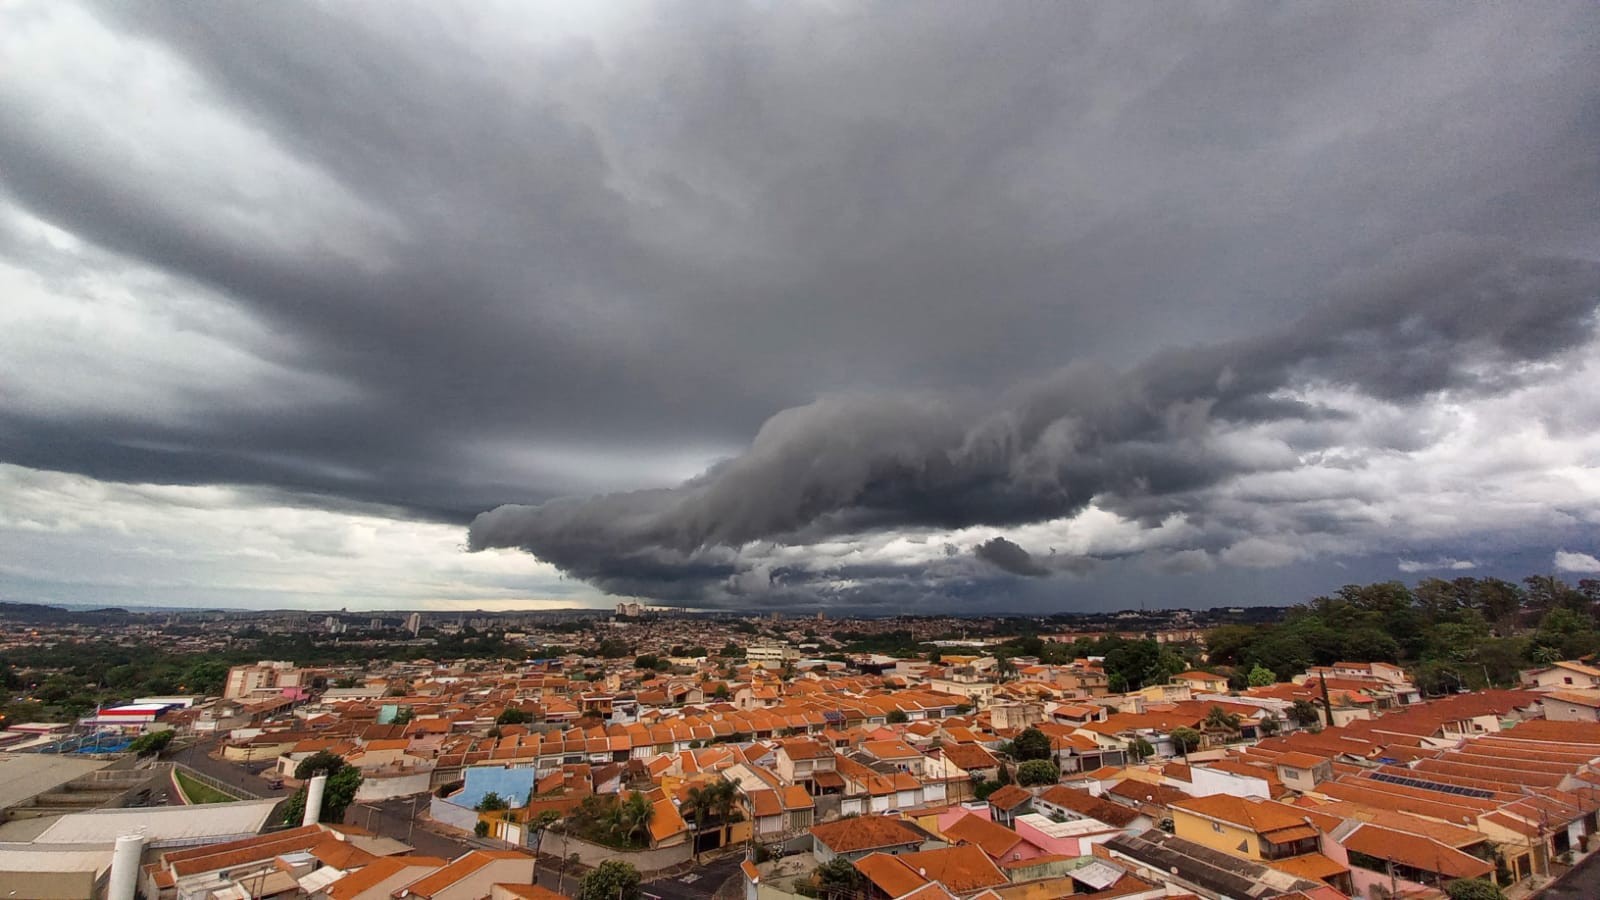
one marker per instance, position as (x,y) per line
(1327,704)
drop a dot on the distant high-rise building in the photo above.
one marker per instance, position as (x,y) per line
(376,625)
(414,623)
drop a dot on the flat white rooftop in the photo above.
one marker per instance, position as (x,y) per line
(161,824)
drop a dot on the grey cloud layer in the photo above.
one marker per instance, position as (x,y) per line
(495,255)
(1141,443)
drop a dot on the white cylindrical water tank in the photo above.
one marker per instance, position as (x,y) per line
(314,789)
(125,867)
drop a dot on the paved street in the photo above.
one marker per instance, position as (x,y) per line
(229,773)
(392,819)
(698,884)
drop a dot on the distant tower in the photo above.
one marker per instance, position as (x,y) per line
(414,623)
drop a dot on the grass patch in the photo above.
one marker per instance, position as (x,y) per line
(200,793)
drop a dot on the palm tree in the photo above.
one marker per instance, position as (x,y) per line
(1222,720)
(634,815)
(697,803)
(724,799)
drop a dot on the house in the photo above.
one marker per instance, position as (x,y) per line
(1302,771)
(1001,843)
(1007,802)
(1561,676)
(378,879)
(1072,839)
(472,875)
(801,760)
(1206,682)
(1384,857)
(1247,827)
(1572,705)
(963,870)
(854,838)
(1067,804)
(972,759)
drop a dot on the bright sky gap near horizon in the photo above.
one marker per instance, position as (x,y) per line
(887,308)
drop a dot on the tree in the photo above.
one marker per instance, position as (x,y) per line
(837,878)
(1474,889)
(492,802)
(151,743)
(541,823)
(611,880)
(1036,772)
(1186,739)
(1031,744)
(319,763)
(337,795)
(1305,714)
(897,717)
(1140,748)
(481,828)
(1222,720)
(511,716)
(1261,676)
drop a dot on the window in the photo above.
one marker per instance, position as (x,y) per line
(1217,828)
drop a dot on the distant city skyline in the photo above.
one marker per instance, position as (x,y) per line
(872,307)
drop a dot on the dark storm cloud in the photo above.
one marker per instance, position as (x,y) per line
(1004,554)
(1143,441)
(526,260)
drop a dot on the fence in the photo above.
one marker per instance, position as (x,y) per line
(231,790)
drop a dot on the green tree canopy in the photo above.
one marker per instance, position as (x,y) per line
(836,878)
(613,879)
(1186,739)
(511,716)
(1474,889)
(1036,772)
(1261,676)
(1032,744)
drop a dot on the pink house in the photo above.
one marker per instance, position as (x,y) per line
(1074,838)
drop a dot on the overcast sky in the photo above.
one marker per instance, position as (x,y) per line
(904,307)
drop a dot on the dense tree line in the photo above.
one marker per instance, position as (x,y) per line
(1455,634)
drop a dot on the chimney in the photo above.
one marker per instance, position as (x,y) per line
(314,789)
(125,867)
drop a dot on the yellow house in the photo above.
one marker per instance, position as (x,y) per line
(1247,827)
(1204,682)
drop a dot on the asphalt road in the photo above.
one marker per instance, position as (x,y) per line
(392,819)
(1582,883)
(698,884)
(236,774)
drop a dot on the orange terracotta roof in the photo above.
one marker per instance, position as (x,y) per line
(1009,797)
(995,840)
(960,869)
(1414,851)
(461,868)
(865,833)
(530,892)
(888,874)
(378,871)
